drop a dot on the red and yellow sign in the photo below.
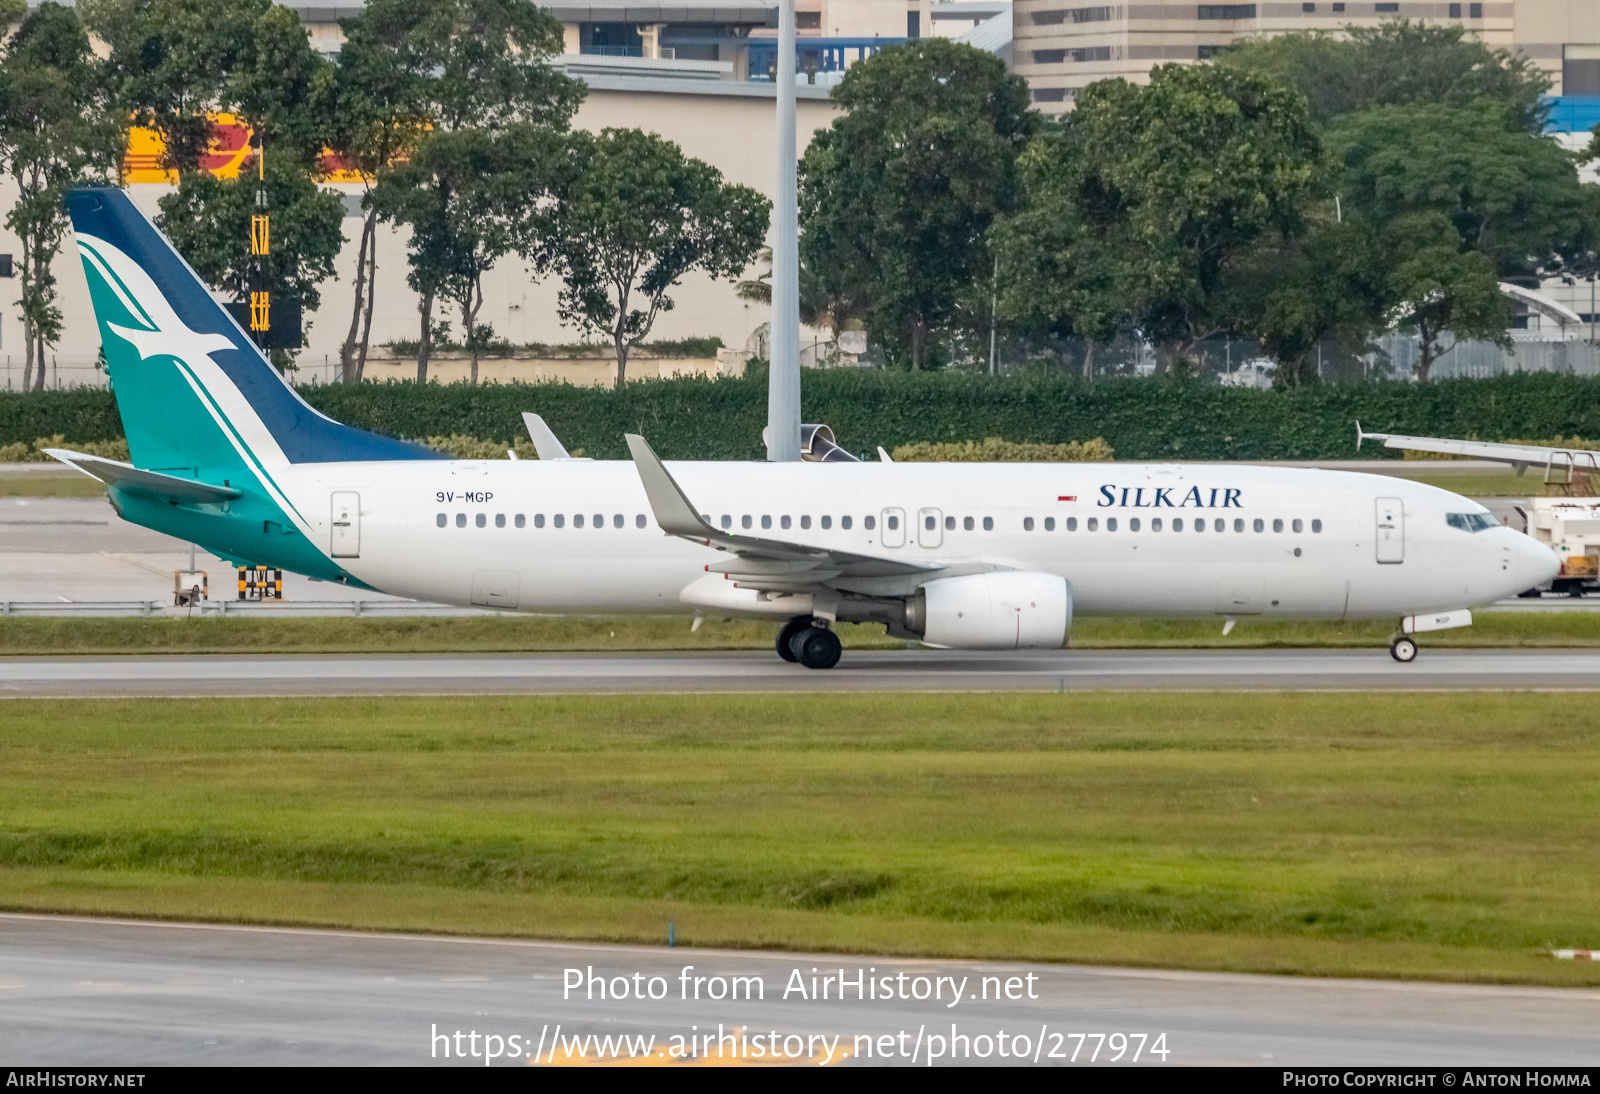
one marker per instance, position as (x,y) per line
(228,154)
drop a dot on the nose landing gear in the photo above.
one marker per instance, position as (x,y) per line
(1403,650)
(803,641)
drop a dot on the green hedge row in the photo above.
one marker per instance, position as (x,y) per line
(723,419)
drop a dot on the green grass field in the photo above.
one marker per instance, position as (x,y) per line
(69,484)
(1436,836)
(40,635)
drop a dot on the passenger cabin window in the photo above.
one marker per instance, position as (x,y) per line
(827,522)
(443,520)
(561,520)
(766,521)
(1297,526)
(1238,525)
(1072,524)
(1155,524)
(783,522)
(1177,524)
(521,521)
(480,520)
(1260,525)
(988,524)
(639,521)
(1027,523)
(617,521)
(1133,524)
(727,521)
(461,520)
(599,520)
(1049,524)
(577,520)
(744,521)
(499,520)
(805,522)
(869,523)
(949,524)
(844,522)
(1277,525)
(966,523)
(1316,526)
(1111,524)
(538,520)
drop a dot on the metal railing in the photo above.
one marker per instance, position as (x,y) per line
(236,608)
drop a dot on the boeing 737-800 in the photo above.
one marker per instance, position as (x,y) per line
(225,454)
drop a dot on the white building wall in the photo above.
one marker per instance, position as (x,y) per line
(732,130)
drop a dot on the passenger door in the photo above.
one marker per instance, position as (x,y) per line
(930,528)
(894,528)
(346,524)
(1391,530)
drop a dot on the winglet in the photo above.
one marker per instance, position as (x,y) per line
(1360,436)
(673,511)
(883,456)
(544,439)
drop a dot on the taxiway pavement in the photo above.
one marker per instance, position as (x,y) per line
(106,992)
(744,671)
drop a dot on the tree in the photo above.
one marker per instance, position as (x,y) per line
(208,221)
(632,216)
(380,113)
(55,133)
(1149,203)
(817,307)
(1512,195)
(282,89)
(468,64)
(1511,199)
(170,62)
(1296,293)
(464,193)
(898,195)
(1439,286)
(1394,63)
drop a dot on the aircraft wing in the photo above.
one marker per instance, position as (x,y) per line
(757,562)
(153,483)
(1519,456)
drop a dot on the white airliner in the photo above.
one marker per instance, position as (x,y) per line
(970,556)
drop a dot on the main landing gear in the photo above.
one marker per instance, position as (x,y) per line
(1403,649)
(805,641)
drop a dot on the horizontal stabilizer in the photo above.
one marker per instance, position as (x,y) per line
(125,476)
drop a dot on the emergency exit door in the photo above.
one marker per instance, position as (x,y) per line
(930,528)
(1391,530)
(346,524)
(893,533)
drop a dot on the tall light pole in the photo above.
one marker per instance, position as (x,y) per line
(783,377)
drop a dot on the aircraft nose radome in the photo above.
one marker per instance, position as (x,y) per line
(1536,563)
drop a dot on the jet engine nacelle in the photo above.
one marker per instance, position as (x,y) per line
(993,611)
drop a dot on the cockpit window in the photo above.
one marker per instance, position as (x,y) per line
(1470,522)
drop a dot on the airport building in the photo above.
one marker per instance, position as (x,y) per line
(698,74)
(1062,46)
